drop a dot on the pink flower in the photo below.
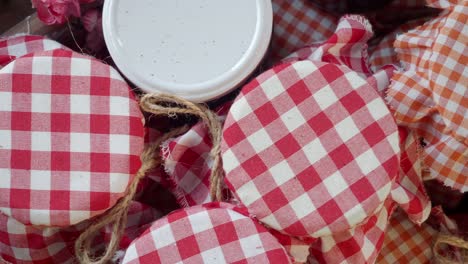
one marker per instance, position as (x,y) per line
(57,11)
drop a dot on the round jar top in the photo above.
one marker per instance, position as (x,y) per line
(199,50)
(71,135)
(310,148)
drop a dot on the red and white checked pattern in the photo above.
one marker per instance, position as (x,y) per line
(71,134)
(187,163)
(409,191)
(28,244)
(359,245)
(310,148)
(297,24)
(406,242)
(346,46)
(211,233)
(431,94)
(383,53)
(298,249)
(13,47)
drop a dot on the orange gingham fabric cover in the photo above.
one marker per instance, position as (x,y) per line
(430,95)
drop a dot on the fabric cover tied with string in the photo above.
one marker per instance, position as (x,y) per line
(312,150)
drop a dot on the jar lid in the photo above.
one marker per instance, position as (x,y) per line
(310,148)
(71,135)
(199,50)
(209,233)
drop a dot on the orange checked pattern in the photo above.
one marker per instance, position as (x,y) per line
(431,94)
(406,242)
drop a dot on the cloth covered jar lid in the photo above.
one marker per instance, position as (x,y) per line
(210,233)
(71,135)
(310,148)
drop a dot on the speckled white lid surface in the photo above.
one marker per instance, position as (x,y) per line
(197,49)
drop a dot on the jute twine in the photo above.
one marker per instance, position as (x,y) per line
(453,241)
(158,105)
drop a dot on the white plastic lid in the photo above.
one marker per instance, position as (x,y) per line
(196,49)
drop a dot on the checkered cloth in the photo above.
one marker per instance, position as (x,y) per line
(71,135)
(346,46)
(13,47)
(358,245)
(297,24)
(406,242)
(211,233)
(298,249)
(24,244)
(409,191)
(187,163)
(306,128)
(431,94)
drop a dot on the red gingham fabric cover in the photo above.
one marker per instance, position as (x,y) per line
(409,191)
(296,24)
(187,163)
(71,134)
(406,242)
(28,244)
(211,233)
(346,46)
(298,249)
(431,94)
(17,46)
(362,244)
(304,128)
